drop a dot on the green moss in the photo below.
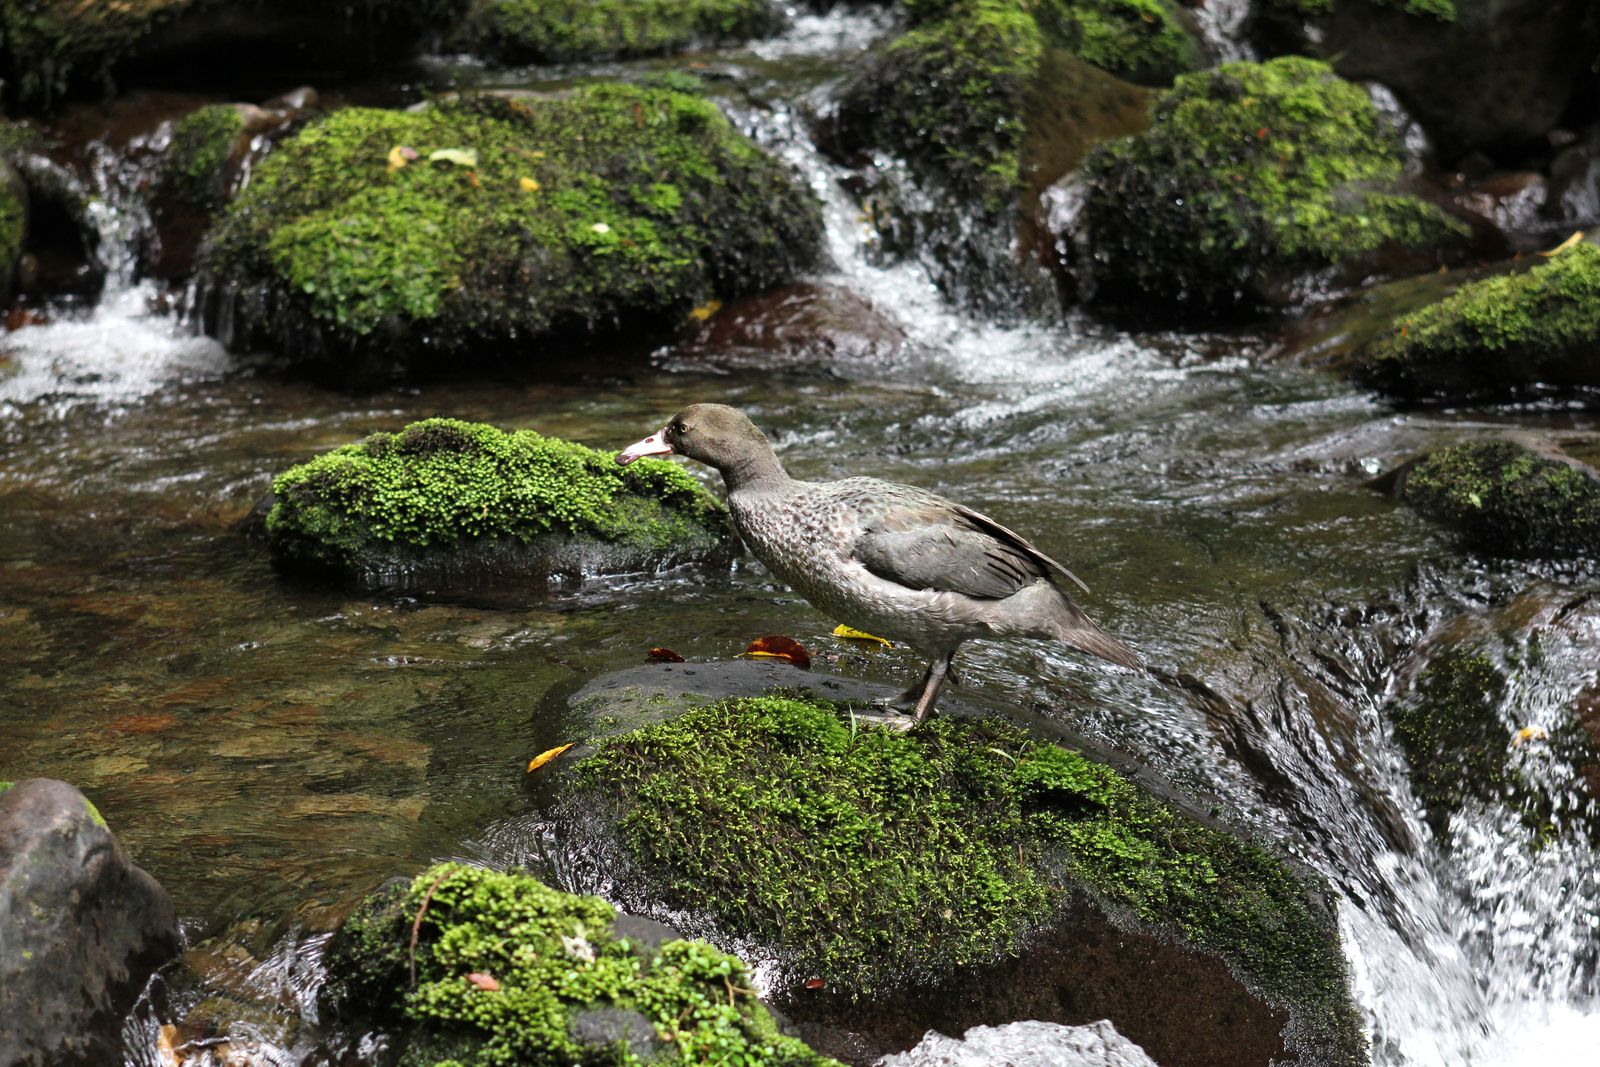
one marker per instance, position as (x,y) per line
(94,813)
(1442,10)
(1507,499)
(868,857)
(552,956)
(442,483)
(1491,337)
(195,166)
(1451,733)
(4,785)
(12,220)
(559,31)
(1142,40)
(1250,173)
(577,211)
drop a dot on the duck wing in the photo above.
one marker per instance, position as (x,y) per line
(923,541)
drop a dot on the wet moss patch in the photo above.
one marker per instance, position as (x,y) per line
(874,859)
(447,487)
(1507,499)
(1451,733)
(554,984)
(1251,175)
(194,170)
(1494,338)
(492,224)
(560,31)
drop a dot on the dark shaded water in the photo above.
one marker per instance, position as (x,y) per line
(266,747)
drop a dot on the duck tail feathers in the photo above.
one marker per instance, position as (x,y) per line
(1097,642)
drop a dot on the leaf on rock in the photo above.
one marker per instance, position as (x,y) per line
(814,983)
(461,157)
(486,982)
(1577,235)
(546,756)
(664,655)
(1529,733)
(852,634)
(706,310)
(776,646)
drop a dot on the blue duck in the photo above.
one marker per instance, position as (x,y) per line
(890,559)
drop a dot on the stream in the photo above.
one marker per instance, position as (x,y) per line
(266,747)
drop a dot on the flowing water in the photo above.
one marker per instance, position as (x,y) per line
(267,747)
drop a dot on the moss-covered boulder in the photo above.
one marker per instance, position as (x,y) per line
(1508,499)
(1519,333)
(478,967)
(464,505)
(1252,177)
(489,226)
(889,865)
(561,31)
(194,168)
(13,224)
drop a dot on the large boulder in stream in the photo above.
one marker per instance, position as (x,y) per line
(965,873)
(468,966)
(446,504)
(81,929)
(565,31)
(493,227)
(1256,184)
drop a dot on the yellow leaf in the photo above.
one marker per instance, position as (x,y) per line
(399,156)
(706,310)
(546,756)
(1577,235)
(461,157)
(528,185)
(850,634)
(1529,733)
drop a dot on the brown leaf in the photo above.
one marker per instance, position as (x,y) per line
(664,655)
(776,646)
(485,982)
(814,983)
(546,756)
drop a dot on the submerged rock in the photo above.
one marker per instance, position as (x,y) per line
(473,966)
(1253,178)
(460,505)
(1025,1044)
(81,929)
(484,227)
(564,31)
(1508,499)
(962,874)
(1498,338)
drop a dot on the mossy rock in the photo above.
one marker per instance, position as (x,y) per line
(13,225)
(478,967)
(1503,337)
(194,169)
(1508,499)
(465,505)
(877,861)
(1252,177)
(564,31)
(519,221)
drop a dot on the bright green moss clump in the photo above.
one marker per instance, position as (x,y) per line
(546,215)
(444,486)
(1494,337)
(1451,733)
(1251,174)
(557,31)
(1141,40)
(868,857)
(47,44)
(1507,499)
(194,168)
(554,962)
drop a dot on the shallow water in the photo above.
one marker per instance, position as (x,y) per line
(267,747)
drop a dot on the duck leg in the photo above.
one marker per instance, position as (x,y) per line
(938,670)
(909,698)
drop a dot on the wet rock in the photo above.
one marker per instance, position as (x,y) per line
(82,929)
(1434,55)
(1526,332)
(805,327)
(1507,498)
(960,875)
(445,504)
(1257,186)
(565,31)
(483,966)
(485,228)
(1025,1044)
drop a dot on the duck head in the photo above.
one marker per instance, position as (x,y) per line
(716,435)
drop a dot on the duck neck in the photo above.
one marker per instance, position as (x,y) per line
(759,469)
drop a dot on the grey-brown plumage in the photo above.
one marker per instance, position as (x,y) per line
(890,559)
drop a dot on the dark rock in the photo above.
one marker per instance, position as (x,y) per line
(617,1030)
(81,929)
(646,934)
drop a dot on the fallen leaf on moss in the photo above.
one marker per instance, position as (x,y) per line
(1529,733)
(852,634)
(776,646)
(399,156)
(1577,235)
(461,157)
(600,227)
(485,982)
(814,983)
(546,756)
(528,185)
(664,655)
(706,310)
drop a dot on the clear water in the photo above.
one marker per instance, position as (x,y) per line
(267,747)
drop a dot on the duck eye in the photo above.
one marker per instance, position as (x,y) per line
(680,429)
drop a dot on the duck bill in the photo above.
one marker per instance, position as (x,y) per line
(654,445)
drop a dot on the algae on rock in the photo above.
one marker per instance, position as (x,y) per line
(517,221)
(194,169)
(458,502)
(1252,176)
(480,967)
(563,31)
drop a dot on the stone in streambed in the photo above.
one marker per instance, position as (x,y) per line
(81,929)
(566,31)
